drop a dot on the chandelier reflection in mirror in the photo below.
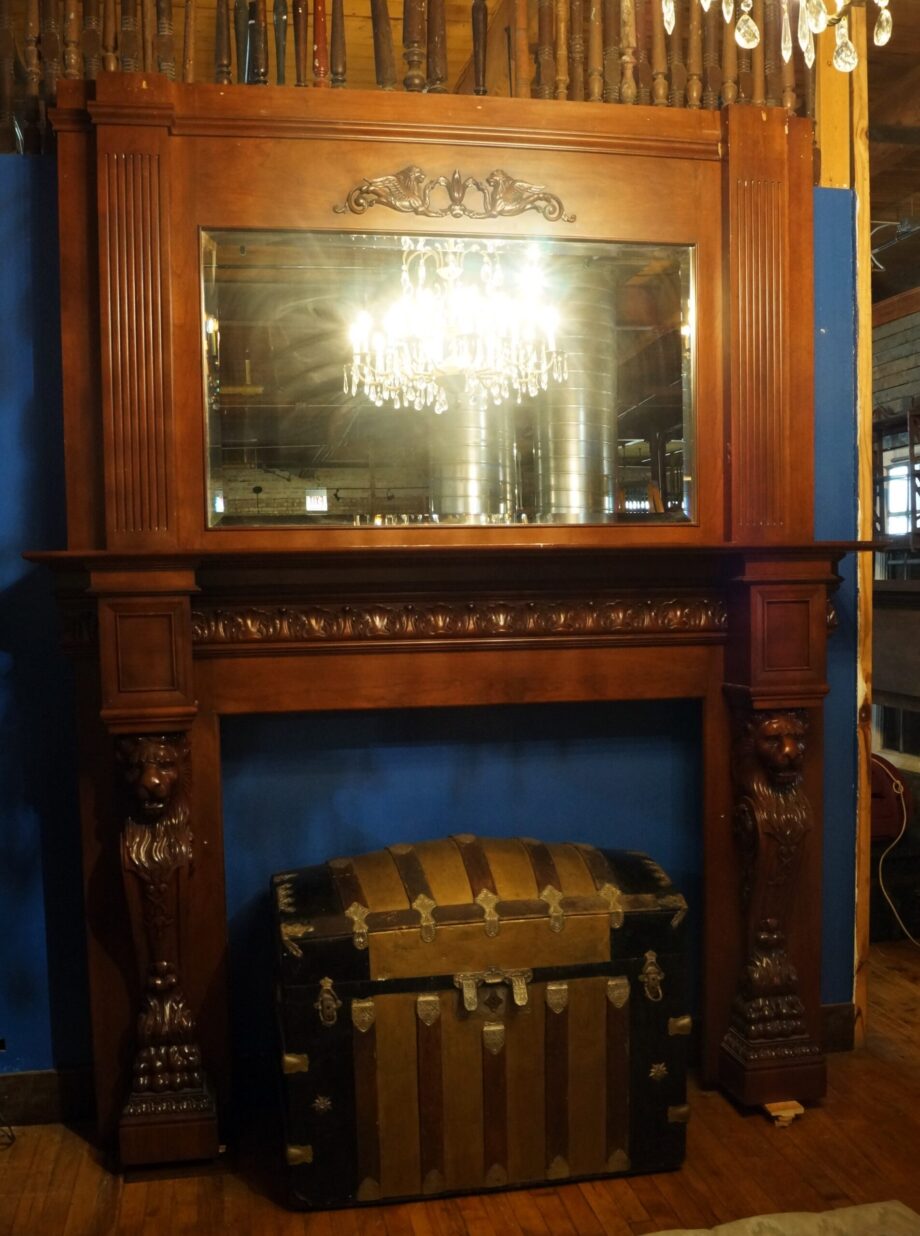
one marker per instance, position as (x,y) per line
(814,17)
(457,322)
(582,418)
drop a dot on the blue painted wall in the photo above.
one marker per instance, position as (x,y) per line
(301,789)
(42,968)
(836,519)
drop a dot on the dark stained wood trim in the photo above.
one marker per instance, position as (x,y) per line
(896,307)
(47,1096)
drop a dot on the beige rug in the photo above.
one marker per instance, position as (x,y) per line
(877,1219)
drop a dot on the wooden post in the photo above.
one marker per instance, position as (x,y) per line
(300,42)
(562,49)
(165,40)
(611,51)
(437,47)
(628,89)
(595,52)
(522,62)
(383,58)
(188,42)
(258,44)
(546,63)
(695,56)
(729,63)
(337,49)
(413,34)
(480,23)
(222,43)
(109,57)
(712,70)
(659,59)
(280,22)
(577,50)
(320,46)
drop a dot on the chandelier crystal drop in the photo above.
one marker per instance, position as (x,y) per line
(786,45)
(668,14)
(883,24)
(812,18)
(747,35)
(455,322)
(845,57)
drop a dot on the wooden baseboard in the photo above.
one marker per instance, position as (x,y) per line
(838,1027)
(49,1096)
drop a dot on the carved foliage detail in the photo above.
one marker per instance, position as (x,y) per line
(410,191)
(156,843)
(662,615)
(772,819)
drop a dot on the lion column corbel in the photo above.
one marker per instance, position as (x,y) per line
(776,686)
(145,650)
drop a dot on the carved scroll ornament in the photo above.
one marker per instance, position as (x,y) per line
(772,819)
(410,191)
(156,844)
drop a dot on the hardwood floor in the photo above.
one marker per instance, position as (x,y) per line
(862,1144)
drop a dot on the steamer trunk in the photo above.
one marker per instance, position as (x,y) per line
(468,1014)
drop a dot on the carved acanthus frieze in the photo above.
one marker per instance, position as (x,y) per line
(410,191)
(462,620)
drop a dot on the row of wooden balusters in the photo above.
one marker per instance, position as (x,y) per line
(612,51)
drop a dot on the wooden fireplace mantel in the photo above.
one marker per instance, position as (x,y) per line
(174,625)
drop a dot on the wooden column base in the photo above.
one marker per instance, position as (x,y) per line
(172,1128)
(761,1072)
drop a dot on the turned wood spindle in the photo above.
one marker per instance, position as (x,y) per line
(769,37)
(437,47)
(384,60)
(149,34)
(109,35)
(577,50)
(50,48)
(413,36)
(809,76)
(337,45)
(91,39)
(562,49)
(32,139)
(546,63)
(72,63)
(745,76)
(7,58)
(611,14)
(712,71)
(729,63)
(595,52)
(659,59)
(695,57)
(320,46)
(522,63)
(258,43)
(241,38)
(677,69)
(188,42)
(222,43)
(480,23)
(128,43)
(643,41)
(300,42)
(758,62)
(628,90)
(279,26)
(165,42)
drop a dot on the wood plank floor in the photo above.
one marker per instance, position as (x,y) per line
(862,1144)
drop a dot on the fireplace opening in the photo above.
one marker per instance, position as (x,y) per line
(299,789)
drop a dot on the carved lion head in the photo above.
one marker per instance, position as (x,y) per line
(778,742)
(154,770)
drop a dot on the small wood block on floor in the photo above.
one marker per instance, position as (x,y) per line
(783,1114)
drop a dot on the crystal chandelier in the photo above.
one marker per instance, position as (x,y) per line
(814,18)
(454,321)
